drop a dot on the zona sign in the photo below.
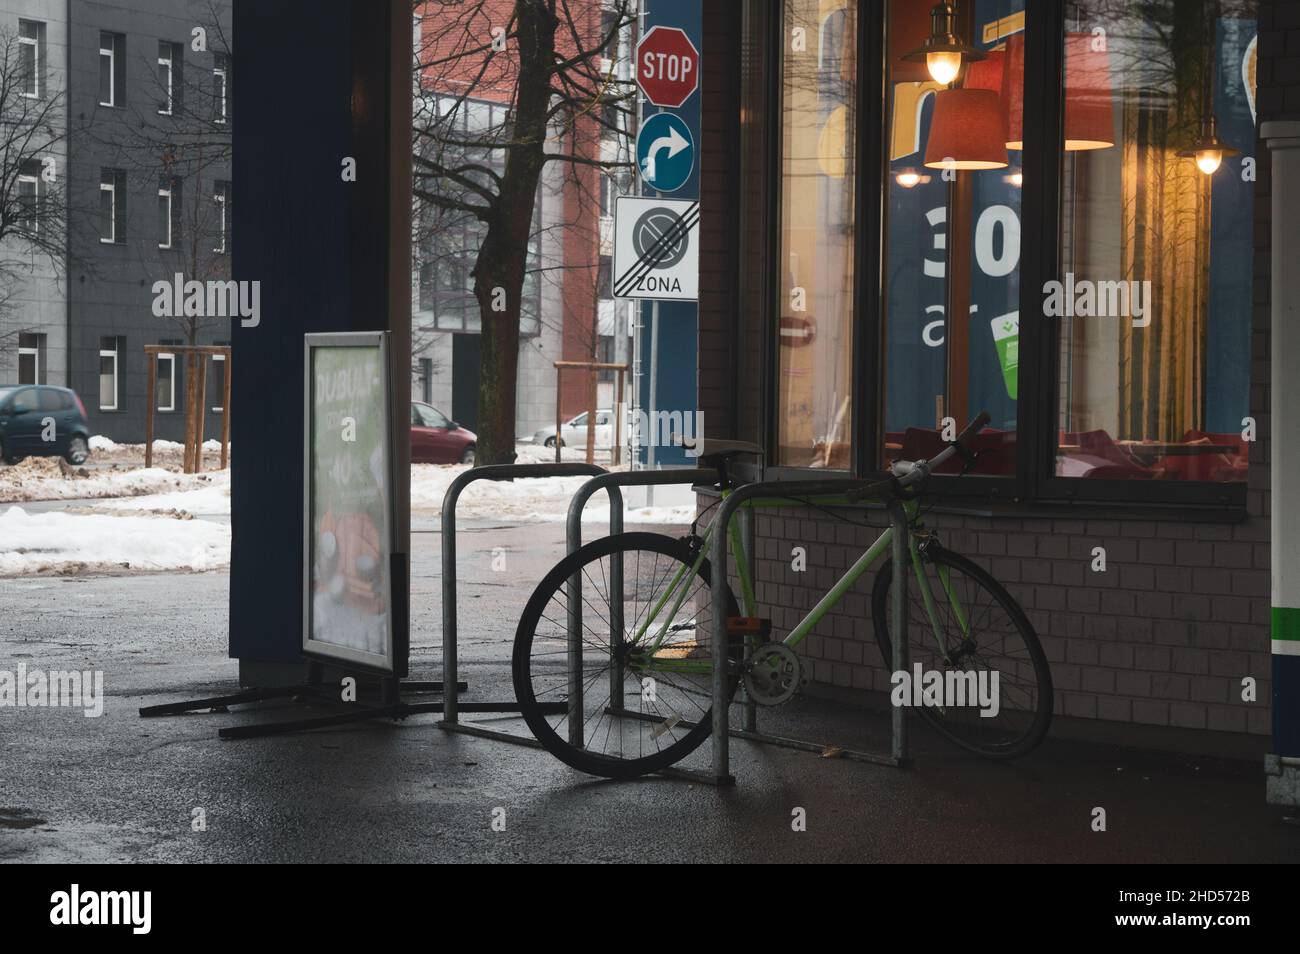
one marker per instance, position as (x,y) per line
(667,66)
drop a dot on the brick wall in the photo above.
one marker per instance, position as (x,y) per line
(1165,635)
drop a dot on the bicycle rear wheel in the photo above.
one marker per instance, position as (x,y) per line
(986,631)
(637,694)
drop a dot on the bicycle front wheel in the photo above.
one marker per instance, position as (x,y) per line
(984,631)
(632,694)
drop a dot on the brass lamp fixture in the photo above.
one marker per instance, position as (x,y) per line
(943,51)
(1208,150)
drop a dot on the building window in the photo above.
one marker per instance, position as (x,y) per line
(169,77)
(217,383)
(221,230)
(165,382)
(950,310)
(816,237)
(112,68)
(220,86)
(109,358)
(426,380)
(29,197)
(112,206)
(447,240)
(31,358)
(169,211)
(31,58)
(1153,309)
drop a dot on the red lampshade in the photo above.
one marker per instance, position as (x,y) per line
(967,131)
(986,73)
(1089,116)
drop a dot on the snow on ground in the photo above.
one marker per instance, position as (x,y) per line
(142,518)
(77,543)
(210,498)
(41,478)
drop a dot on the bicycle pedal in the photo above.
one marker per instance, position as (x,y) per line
(749,626)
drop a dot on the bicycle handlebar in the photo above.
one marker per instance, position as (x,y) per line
(907,473)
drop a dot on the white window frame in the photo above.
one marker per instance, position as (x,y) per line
(170,358)
(165,192)
(220,361)
(166,60)
(36,360)
(111,189)
(106,353)
(35,43)
(219,197)
(111,53)
(35,182)
(220,75)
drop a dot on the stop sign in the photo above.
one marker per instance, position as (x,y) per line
(667,66)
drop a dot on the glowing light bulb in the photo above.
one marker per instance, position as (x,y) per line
(908,179)
(1208,160)
(943,66)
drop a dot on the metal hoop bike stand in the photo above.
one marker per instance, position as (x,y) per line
(721,774)
(452,706)
(612,482)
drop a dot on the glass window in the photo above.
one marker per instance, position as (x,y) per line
(112,68)
(217,385)
(108,355)
(817,234)
(165,213)
(1153,304)
(165,383)
(112,206)
(952,238)
(31,57)
(29,191)
(220,80)
(221,203)
(430,417)
(31,358)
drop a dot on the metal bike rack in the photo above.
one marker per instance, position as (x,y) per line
(452,706)
(611,482)
(722,732)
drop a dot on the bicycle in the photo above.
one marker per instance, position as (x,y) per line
(664,661)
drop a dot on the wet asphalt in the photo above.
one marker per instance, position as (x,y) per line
(121,788)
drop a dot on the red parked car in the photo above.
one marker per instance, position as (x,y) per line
(436,439)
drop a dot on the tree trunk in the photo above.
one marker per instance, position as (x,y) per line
(503,258)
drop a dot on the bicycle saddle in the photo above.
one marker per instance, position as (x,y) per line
(711,449)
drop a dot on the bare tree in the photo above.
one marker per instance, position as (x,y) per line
(33,209)
(548,63)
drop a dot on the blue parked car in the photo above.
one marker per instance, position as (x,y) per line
(31,412)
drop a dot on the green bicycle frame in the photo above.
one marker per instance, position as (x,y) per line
(677,592)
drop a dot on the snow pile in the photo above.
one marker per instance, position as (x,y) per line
(41,478)
(210,498)
(526,500)
(101,443)
(61,542)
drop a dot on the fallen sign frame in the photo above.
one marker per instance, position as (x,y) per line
(656,248)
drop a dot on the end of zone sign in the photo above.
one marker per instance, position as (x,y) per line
(656,248)
(667,66)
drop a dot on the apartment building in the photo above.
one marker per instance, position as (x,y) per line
(144,179)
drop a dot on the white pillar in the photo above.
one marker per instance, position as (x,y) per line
(1283,765)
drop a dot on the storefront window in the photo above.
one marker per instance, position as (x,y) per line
(1154,299)
(952,237)
(817,233)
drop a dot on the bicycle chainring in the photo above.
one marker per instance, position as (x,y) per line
(773,674)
